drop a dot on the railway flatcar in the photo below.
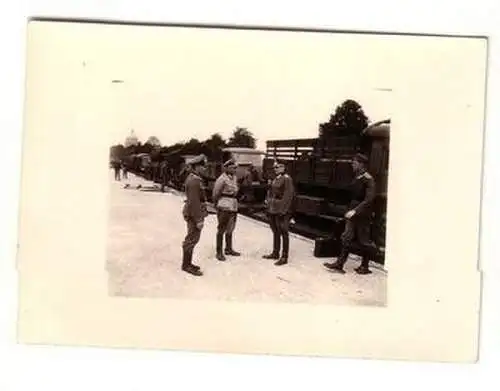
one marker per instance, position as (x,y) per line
(321,171)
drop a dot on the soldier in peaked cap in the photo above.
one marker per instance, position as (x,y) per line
(194,213)
(224,196)
(279,208)
(358,218)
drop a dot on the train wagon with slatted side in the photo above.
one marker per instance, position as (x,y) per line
(321,171)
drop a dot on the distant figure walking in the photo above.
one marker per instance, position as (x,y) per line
(224,196)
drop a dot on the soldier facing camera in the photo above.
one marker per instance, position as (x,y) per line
(194,212)
(224,196)
(279,208)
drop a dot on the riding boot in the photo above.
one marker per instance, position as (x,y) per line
(229,246)
(220,256)
(338,265)
(364,268)
(276,248)
(284,255)
(187,264)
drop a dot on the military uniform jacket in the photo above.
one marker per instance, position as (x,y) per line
(225,192)
(280,196)
(363,194)
(195,204)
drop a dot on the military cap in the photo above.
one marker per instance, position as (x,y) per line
(229,163)
(197,160)
(278,164)
(361,158)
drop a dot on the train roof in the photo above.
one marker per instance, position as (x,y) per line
(378,129)
(249,151)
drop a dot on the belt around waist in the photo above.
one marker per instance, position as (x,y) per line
(228,195)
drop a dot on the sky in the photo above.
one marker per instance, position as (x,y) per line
(180,83)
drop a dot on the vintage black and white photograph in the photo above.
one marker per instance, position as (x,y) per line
(290,191)
(244,167)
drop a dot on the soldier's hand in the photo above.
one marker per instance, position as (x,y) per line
(199,225)
(349,214)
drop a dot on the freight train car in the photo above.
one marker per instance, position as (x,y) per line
(321,171)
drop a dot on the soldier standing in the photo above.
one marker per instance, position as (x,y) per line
(116,167)
(194,213)
(164,175)
(358,218)
(124,170)
(224,196)
(279,208)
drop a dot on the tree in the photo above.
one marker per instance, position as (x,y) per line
(117,152)
(192,147)
(242,138)
(154,141)
(349,119)
(174,147)
(213,146)
(144,148)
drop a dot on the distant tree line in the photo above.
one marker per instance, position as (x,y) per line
(211,147)
(348,119)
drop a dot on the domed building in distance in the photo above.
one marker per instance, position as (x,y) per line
(131,140)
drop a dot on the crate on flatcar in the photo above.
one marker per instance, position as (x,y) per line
(307,205)
(322,172)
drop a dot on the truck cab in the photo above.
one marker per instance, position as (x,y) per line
(249,163)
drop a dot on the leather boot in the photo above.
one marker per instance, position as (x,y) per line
(276,248)
(338,266)
(365,266)
(284,255)
(187,264)
(369,252)
(220,256)
(229,246)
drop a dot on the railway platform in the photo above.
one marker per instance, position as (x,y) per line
(145,232)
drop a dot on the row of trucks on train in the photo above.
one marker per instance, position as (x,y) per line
(320,169)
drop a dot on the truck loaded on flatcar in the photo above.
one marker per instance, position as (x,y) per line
(249,161)
(170,169)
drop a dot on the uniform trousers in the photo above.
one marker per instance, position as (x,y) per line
(226,221)
(358,230)
(193,235)
(280,226)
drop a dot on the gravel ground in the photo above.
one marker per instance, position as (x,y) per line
(144,255)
